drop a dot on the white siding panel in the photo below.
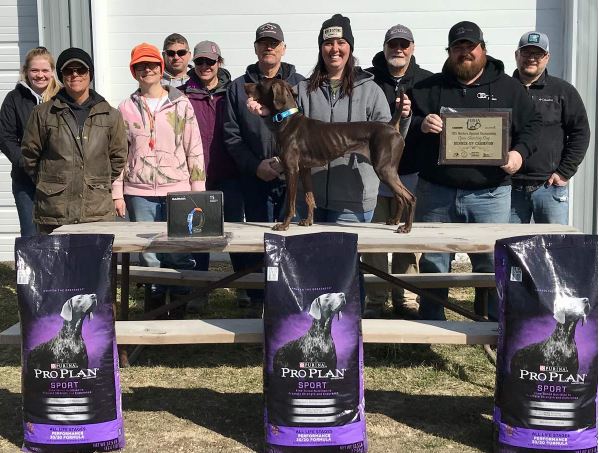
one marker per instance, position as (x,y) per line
(18,34)
(232,25)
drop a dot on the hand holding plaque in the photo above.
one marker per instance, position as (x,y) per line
(474,137)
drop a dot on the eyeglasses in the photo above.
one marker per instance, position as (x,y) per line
(266,42)
(204,61)
(72,70)
(181,53)
(398,43)
(151,65)
(532,54)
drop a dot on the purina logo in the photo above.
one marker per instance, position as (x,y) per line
(534,38)
(312,365)
(558,369)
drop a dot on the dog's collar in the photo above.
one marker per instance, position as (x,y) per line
(282,115)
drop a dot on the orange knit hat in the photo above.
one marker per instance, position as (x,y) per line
(145,52)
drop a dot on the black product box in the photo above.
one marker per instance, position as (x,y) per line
(195,214)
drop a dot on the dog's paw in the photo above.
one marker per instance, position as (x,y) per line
(304,222)
(392,221)
(404,229)
(280,227)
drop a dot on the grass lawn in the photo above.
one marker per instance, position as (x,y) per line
(208,398)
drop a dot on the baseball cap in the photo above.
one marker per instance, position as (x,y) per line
(269,30)
(466,31)
(534,38)
(207,49)
(73,54)
(399,32)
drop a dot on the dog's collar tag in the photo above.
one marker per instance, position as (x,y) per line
(282,115)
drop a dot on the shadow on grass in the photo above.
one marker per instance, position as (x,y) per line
(11,416)
(457,418)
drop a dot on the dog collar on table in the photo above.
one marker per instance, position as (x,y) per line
(282,115)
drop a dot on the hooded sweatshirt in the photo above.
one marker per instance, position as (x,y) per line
(392,86)
(176,161)
(209,107)
(493,89)
(247,137)
(348,183)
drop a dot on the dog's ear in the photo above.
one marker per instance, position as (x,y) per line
(67,310)
(282,98)
(315,311)
(251,89)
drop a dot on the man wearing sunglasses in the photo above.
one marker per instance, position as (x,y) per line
(540,188)
(74,148)
(176,54)
(248,139)
(396,71)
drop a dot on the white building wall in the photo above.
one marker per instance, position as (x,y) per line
(232,25)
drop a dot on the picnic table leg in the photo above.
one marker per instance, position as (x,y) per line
(125,267)
(421,292)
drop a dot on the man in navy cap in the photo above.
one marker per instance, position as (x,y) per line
(250,142)
(467,193)
(540,188)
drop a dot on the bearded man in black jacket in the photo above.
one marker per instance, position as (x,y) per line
(395,70)
(467,193)
(540,188)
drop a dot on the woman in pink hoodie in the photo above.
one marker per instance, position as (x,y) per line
(165,152)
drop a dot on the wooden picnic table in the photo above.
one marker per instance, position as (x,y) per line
(372,237)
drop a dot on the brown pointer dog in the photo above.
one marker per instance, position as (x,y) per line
(306,143)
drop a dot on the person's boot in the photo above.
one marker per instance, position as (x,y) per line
(407,307)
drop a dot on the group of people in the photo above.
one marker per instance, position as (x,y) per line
(76,159)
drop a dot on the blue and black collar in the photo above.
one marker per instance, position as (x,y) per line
(279,117)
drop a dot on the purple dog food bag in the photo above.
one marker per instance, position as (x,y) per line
(313,364)
(70,373)
(546,389)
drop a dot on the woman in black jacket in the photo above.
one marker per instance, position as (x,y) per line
(37,84)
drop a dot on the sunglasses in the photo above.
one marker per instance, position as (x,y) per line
(266,42)
(534,55)
(151,65)
(398,44)
(181,53)
(204,61)
(72,70)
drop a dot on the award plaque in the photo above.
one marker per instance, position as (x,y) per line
(475,138)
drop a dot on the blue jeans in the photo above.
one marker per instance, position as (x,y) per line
(543,205)
(447,204)
(263,202)
(24,191)
(153,209)
(328,215)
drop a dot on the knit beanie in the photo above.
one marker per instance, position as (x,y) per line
(145,52)
(336,27)
(74,54)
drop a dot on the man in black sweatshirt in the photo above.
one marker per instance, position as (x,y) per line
(467,193)
(395,70)
(540,188)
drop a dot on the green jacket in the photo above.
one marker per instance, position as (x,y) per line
(73,171)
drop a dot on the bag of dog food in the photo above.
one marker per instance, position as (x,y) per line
(546,392)
(313,365)
(70,375)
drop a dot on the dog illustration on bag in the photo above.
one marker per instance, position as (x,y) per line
(317,344)
(67,346)
(559,349)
